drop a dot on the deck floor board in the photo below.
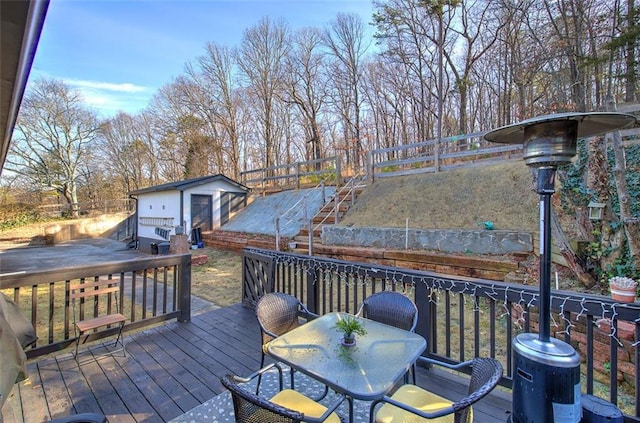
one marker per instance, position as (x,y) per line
(168,370)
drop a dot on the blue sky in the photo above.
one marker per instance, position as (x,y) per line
(119,52)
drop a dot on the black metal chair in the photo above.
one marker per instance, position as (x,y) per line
(412,403)
(277,314)
(392,308)
(287,406)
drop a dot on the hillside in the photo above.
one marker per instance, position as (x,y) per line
(454,199)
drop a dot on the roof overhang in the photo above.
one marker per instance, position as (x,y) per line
(21,22)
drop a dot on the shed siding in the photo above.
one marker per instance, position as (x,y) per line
(213,189)
(158,209)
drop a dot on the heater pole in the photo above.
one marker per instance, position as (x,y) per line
(546,182)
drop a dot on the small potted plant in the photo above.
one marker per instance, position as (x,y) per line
(623,289)
(350,326)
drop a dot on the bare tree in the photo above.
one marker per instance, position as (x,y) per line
(402,30)
(126,154)
(261,55)
(630,37)
(174,144)
(305,76)
(216,101)
(346,41)
(53,132)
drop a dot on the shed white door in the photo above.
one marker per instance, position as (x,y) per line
(201,212)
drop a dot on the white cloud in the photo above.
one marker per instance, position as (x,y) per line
(107,86)
(108,98)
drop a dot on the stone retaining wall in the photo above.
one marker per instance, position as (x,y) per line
(451,241)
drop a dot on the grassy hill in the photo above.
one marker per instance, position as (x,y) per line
(454,199)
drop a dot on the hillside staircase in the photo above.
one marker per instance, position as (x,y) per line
(330,213)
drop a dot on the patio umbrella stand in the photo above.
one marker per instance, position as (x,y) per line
(546,376)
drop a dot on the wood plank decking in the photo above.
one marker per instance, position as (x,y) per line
(169,370)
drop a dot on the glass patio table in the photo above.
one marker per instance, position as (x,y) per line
(366,371)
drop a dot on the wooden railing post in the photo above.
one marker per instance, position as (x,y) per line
(313,289)
(338,173)
(353,191)
(185,289)
(311,236)
(426,315)
(370,175)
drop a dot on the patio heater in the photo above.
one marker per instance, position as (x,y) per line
(546,377)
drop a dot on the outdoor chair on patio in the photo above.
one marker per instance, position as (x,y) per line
(98,298)
(285,406)
(414,404)
(392,308)
(277,314)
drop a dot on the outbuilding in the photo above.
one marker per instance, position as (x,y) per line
(190,206)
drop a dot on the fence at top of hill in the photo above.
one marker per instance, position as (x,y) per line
(454,152)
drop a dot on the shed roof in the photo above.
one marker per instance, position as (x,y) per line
(189,183)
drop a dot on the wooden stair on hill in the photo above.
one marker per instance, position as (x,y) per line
(344,198)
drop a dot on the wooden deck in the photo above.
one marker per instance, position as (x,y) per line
(169,370)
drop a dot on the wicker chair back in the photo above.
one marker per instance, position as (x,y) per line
(251,408)
(391,308)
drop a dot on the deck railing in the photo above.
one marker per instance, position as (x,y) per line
(151,290)
(466,317)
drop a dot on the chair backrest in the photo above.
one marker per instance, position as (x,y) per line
(392,308)
(100,294)
(277,314)
(251,408)
(485,375)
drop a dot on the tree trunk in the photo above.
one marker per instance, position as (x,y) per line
(629,222)
(561,241)
(567,252)
(631,80)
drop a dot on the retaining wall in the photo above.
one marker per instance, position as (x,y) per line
(450,241)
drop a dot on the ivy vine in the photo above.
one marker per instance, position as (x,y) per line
(575,194)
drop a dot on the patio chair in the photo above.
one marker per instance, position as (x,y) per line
(100,296)
(412,403)
(277,314)
(392,308)
(81,418)
(285,406)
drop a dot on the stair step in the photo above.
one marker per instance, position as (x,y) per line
(304,234)
(330,214)
(331,206)
(305,239)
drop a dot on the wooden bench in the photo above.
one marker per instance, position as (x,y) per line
(102,297)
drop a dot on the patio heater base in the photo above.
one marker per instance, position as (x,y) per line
(546,381)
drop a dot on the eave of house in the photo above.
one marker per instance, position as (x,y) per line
(21,24)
